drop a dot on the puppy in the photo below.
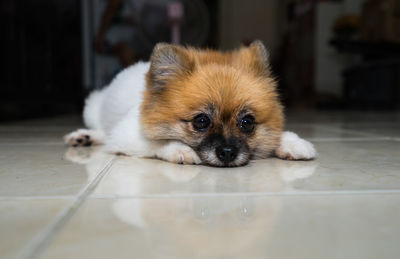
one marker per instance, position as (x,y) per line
(193,106)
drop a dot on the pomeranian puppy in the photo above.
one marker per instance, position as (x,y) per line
(193,106)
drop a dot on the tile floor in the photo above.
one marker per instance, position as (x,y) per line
(57,202)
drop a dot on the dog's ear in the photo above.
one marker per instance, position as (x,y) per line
(254,58)
(167,61)
(258,48)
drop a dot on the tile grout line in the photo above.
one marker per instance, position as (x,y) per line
(22,143)
(31,198)
(223,194)
(246,194)
(349,139)
(40,242)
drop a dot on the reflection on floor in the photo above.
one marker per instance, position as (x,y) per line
(57,202)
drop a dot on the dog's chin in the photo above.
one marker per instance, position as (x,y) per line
(211,159)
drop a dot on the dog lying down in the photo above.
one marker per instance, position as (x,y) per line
(193,106)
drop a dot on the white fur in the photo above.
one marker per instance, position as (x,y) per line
(104,109)
(91,113)
(295,148)
(114,114)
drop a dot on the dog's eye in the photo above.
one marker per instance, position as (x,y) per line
(201,122)
(246,124)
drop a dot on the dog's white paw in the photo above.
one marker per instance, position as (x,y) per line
(179,153)
(84,137)
(292,147)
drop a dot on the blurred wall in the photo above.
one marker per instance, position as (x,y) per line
(329,63)
(243,21)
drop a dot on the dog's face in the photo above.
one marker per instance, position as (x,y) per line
(223,105)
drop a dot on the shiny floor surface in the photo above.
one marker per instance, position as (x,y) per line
(57,202)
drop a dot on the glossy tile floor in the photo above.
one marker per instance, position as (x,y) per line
(57,202)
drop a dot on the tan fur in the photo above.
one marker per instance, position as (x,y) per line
(228,82)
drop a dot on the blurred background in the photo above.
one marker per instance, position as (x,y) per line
(342,54)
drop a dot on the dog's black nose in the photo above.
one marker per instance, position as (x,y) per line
(226,153)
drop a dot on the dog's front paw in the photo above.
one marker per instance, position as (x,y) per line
(84,137)
(179,153)
(292,147)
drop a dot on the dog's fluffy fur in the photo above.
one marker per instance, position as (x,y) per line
(149,109)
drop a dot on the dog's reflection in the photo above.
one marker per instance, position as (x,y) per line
(186,210)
